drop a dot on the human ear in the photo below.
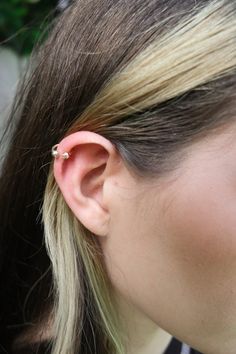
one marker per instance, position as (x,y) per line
(83,175)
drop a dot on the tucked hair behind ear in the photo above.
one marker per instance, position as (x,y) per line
(153,77)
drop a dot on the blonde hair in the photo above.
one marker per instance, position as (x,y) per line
(156,90)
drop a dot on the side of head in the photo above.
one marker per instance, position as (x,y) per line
(132,102)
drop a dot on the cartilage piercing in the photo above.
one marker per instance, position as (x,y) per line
(65,155)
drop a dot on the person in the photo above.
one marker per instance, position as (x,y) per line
(118,186)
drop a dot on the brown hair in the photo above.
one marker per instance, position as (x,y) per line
(152,77)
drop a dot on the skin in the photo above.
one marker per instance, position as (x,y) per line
(169,243)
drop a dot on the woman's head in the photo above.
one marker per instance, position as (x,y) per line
(142,96)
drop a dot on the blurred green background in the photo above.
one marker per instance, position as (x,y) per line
(22,22)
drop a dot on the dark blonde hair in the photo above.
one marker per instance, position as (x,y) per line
(153,77)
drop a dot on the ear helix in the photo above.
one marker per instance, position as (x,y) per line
(65,155)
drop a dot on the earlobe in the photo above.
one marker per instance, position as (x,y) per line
(82,166)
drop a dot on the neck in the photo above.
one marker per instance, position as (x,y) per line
(141,334)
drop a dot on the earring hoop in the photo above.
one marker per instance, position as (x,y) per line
(65,155)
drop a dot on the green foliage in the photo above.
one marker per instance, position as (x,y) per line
(22,22)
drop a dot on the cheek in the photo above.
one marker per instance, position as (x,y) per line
(201,225)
